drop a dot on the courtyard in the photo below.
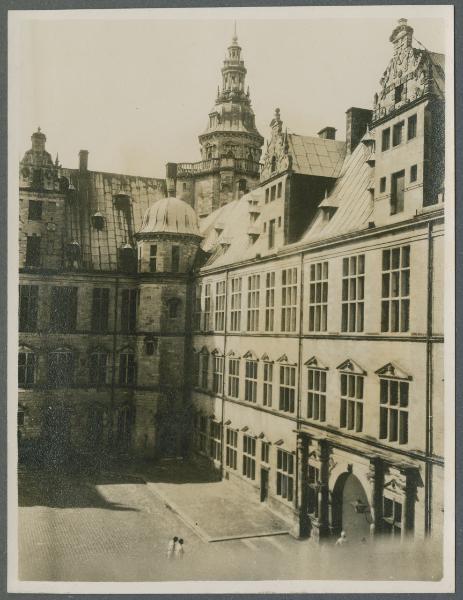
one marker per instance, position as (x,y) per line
(114,524)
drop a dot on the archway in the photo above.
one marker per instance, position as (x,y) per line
(351,509)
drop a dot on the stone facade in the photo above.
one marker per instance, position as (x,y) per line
(294,341)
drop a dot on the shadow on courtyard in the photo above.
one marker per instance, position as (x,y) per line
(74,483)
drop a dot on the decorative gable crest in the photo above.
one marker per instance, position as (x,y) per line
(277,159)
(284,359)
(315,363)
(204,350)
(250,354)
(217,352)
(350,366)
(393,371)
(265,357)
(232,354)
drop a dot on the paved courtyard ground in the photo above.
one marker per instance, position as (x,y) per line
(114,525)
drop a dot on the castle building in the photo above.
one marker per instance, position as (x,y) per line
(230,145)
(290,336)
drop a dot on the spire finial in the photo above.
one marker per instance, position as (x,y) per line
(235,36)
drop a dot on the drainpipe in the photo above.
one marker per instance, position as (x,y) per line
(223,375)
(113,369)
(429,382)
(300,454)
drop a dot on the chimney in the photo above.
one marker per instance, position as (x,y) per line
(171,178)
(83,160)
(327,133)
(357,120)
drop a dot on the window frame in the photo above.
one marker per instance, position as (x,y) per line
(289,299)
(253,305)
(285,475)
(394,410)
(287,388)
(353,294)
(234,377)
(352,389)
(318,296)
(249,457)
(395,289)
(28,307)
(27,372)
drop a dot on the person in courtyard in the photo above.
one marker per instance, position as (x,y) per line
(173,543)
(342,539)
(179,549)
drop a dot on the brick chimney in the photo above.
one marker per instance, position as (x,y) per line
(83,160)
(327,133)
(357,120)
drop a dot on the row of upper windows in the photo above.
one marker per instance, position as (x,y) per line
(64,310)
(61,368)
(261,385)
(398,133)
(395,298)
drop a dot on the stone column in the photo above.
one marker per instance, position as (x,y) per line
(375,477)
(302,465)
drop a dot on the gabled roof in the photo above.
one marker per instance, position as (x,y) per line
(316,156)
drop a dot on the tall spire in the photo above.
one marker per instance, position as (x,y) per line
(235,36)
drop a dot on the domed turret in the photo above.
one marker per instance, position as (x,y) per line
(170,215)
(169,237)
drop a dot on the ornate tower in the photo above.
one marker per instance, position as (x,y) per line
(231,146)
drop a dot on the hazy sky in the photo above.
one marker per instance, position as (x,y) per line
(136,91)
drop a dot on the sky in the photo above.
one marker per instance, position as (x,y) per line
(134,88)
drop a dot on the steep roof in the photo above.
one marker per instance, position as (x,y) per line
(316,156)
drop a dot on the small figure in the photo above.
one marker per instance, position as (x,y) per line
(179,549)
(341,540)
(171,548)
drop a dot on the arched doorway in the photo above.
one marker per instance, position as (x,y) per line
(351,510)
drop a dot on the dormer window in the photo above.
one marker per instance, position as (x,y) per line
(273,167)
(399,93)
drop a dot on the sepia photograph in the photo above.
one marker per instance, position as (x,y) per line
(231,318)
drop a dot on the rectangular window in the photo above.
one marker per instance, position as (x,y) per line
(269,301)
(267,195)
(215,441)
(33,258)
(353,293)
(318,297)
(397,192)
(153,258)
(202,433)
(351,417)
(253,302)
(385,139)
(288,299)
(398,93)
(285,475)
(268,384)
(100,304)
(280,188)
(235,304)
(271,234)
(316,394)
(273,192)
(413,173)
(175,259)
(129,311)
(397,133)
(35,210)
(287,388)
(217,374)
(198,309)
(231,449)
(393,411)
(219,316)
(127,368)
(411,129)
(382,185)
(392,516)
(250,381)
(207,307)
(26,369)
(60,369)
(204,370)
(395,289)
(28,305)
(265,452)
(98,366)
(249,457)
(63,314)
(234,377)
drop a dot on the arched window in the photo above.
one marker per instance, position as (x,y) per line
(274,164)
(61,366)
(26,367)
(127,367)
(98,362)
